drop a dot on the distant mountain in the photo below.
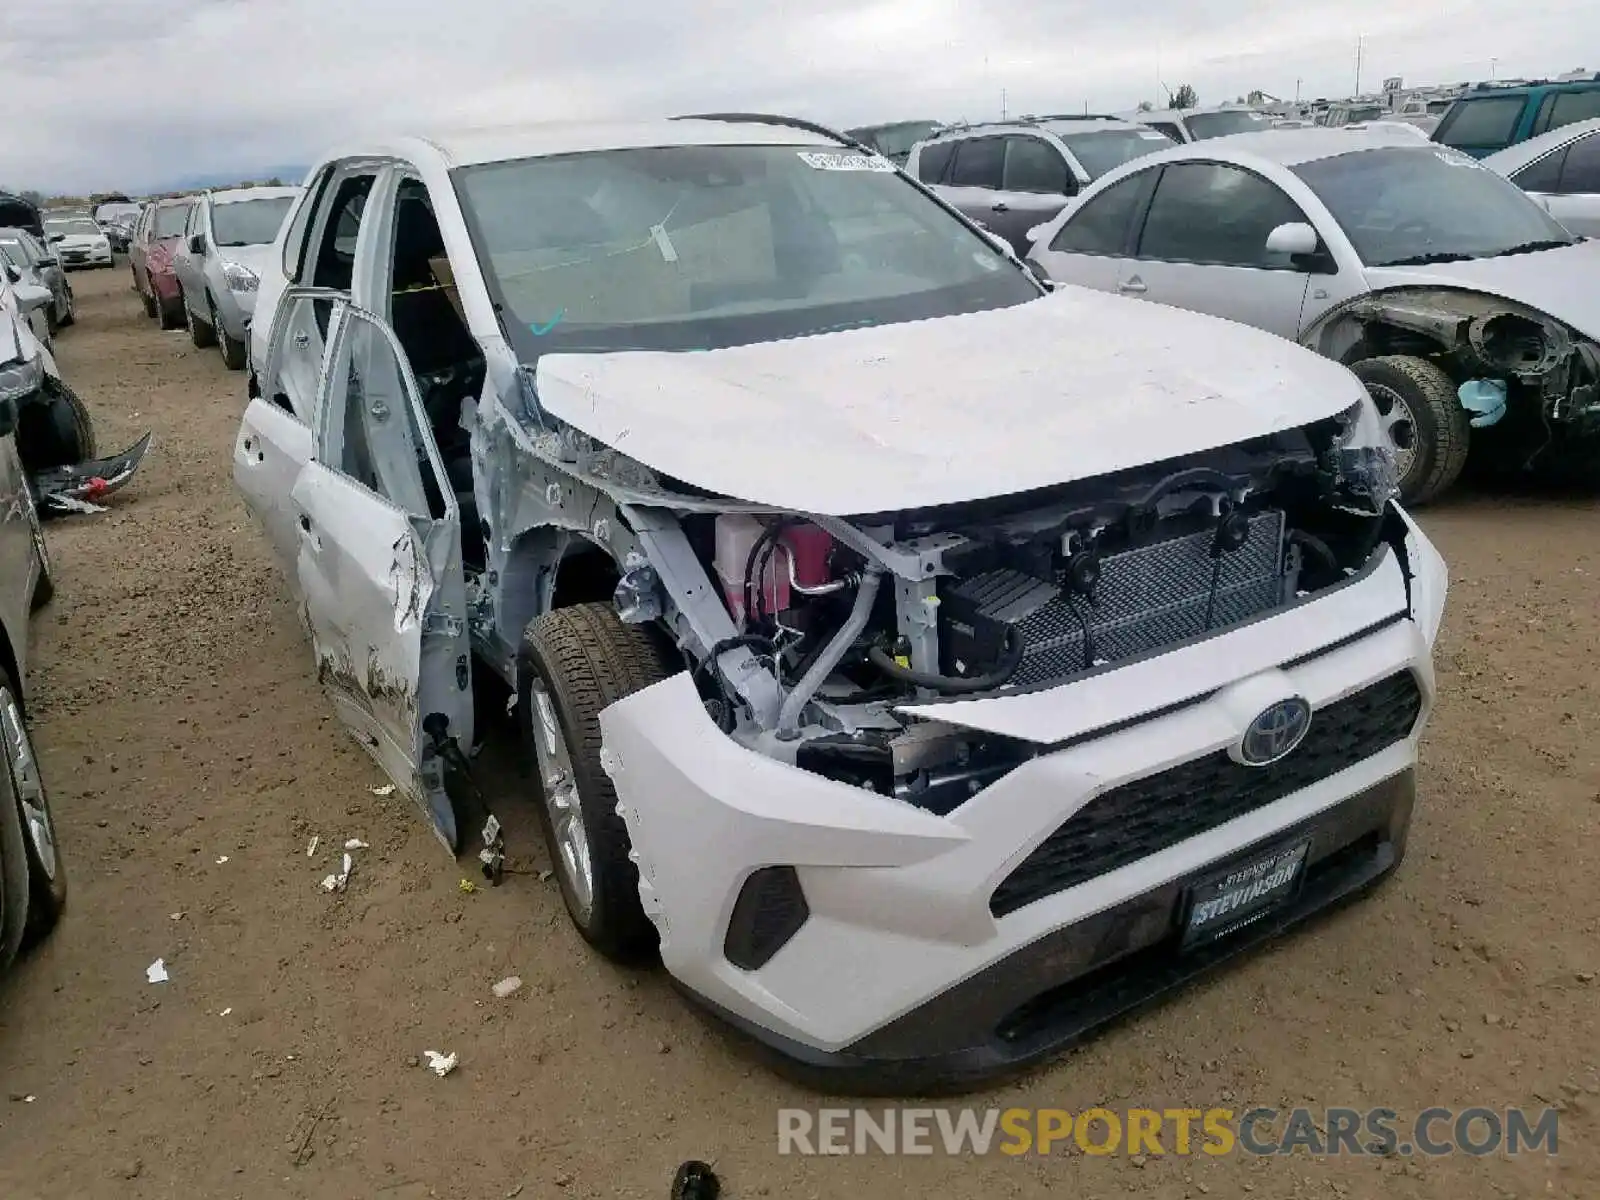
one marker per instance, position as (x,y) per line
(193,183)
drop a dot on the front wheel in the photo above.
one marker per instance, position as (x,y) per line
(231,347)
(1421,411)
(573,663)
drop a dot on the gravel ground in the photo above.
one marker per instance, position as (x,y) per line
(193,759)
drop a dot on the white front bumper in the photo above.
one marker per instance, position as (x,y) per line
(899,898)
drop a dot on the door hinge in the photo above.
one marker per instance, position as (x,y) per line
(443,623)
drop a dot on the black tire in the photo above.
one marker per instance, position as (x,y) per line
(75,425)
(587,659)
(202,335)
(46,889)
(170,315)
(233,350)
(1440,432)
(71,315)
(148,299)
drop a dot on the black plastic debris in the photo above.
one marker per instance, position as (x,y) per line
(80,487)
(696,1180)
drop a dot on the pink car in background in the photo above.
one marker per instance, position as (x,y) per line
(156,237)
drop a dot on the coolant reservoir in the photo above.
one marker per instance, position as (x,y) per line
(736,533)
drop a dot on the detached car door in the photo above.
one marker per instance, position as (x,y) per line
(379,567)
(275,440)
(1203,246)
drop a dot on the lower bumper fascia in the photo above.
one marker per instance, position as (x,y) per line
(1053,993)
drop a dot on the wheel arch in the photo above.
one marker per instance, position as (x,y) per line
(548,567)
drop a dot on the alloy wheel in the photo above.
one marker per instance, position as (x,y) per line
(569,833)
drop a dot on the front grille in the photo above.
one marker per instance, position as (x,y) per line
(1141,818)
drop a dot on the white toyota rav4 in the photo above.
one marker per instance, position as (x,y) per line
(928,665)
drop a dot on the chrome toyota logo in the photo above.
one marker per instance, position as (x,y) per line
(1275,732)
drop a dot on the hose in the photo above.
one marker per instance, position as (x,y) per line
(952,684)
(860,613)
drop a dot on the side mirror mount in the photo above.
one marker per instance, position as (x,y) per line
(197,244)
(8,417)
(56,237)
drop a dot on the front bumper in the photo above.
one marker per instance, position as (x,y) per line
(906,966)
(1065,985)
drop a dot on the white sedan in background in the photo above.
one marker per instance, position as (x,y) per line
(1561,169)
(1469,312)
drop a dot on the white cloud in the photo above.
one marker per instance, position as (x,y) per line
(133,93)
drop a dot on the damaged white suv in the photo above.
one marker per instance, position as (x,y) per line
(931,666)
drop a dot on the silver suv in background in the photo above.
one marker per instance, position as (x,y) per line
(1012,175)
(226,247)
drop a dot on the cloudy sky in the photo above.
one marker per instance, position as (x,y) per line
(131,94)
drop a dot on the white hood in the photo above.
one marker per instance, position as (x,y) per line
(83,241)
(1564,283)
(1070,386)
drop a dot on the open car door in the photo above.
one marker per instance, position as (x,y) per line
(379,568)
(275,438)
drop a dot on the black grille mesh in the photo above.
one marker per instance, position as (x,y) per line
(1141,818)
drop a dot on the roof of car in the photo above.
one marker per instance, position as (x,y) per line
(229,195)
(1291,147)
(486,144)
(1514,157)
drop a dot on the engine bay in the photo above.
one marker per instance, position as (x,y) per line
(856,618)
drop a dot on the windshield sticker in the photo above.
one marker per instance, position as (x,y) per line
(669,252)
(1154,137)
(541,330)
(1455,158)
(845,162)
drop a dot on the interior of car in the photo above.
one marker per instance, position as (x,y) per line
(445,359)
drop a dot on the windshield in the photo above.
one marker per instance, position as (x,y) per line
(116,212)
(1107,149)
(249,222)
(170,219)
(1403,205)
(698,247)
(18,251)
(895,141)
(74,225)
(1221,124)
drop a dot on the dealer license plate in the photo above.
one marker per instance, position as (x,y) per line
(1231,899)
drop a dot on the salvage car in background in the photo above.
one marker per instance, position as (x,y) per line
(29,254)
(33,886)
(117,218)
(895,139)
(54,435)
(1009,176)
(78,241)
(1466,309)
(219,261)
(156,237)
(1054,619)
(1493,116)
(1560,169)
(1197,124)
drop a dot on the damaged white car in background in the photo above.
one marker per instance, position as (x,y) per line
(1470,313)
(930,667)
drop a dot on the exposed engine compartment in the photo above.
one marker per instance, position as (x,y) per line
(1018,593)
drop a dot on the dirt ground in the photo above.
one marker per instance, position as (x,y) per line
(193,758)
